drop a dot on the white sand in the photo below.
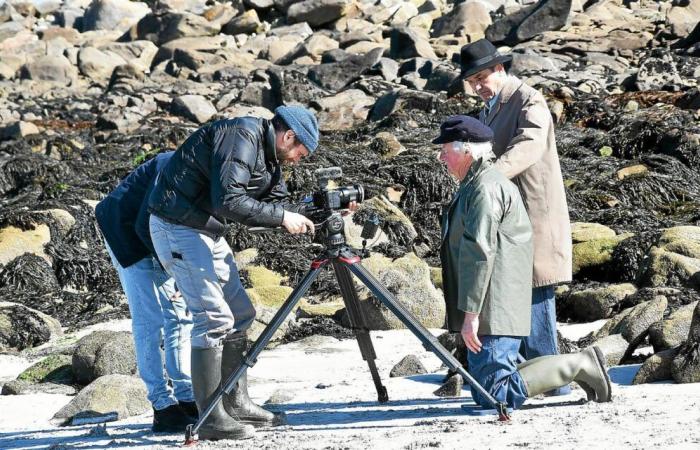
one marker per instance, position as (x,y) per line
(332,404)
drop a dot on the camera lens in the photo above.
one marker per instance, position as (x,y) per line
(352,193)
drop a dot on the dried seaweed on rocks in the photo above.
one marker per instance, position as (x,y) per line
(29,273)
(24,329)
(318,325)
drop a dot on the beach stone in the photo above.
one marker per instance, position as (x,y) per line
(280,396)
(54,368)
(139,54)
(18,130)
(343,111)
(656,72)
(593,255)
(656,368)
(394,222)
(20,387)
(596,303)
(683,17)
(451,388)
(635,324)
(336,76)
(103,353)
(23,327)
(246,23)
(636,170)
(386,67)
(388,145)
(117,15)
(466,19)
(161,28)
(408,43)
(613,347)
(317,12)
(293,86)
(98,65)
(15,242)
(675,261)
(259,276)
(122,121)
(673,330)
(408,279)
(401,99)
(441,78)
(584,232)
(121,394)
(528,22)
(686,365)
(193,107)
(50,68)
(409,365)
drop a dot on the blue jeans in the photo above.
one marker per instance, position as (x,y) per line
(157,316)
(495,368)
(543,332)
(208,279)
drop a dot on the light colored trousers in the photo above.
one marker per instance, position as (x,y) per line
(157,316)
(207,276)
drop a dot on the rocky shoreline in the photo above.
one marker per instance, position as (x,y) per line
(89,89)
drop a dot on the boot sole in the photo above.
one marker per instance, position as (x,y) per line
(600,358)
(217,435)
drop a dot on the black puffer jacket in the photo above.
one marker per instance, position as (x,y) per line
(225,171)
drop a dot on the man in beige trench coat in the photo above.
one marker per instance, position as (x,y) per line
(527,154)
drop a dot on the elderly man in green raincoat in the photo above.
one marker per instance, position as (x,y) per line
(486,256)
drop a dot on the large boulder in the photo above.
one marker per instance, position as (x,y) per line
(317,12)
(656,368)
(408,43)
(123,395)
(596,303)
(408,279)
(337,75)
(113,14)
(524,24)
(466,19)
(160,28)
(394,222)
(584,232)
(139,54)
(675,261)
(193,107)
(23,327)
(401,99)
(683,17)
(614,347)
(52,369)
(103,353)
(343,111)
(686,365)
(98,65)
(593,255)
(673,330)
(633,323)
(50,68)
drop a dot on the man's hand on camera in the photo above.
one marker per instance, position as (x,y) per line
(296,223)
(469,329)
(352,207)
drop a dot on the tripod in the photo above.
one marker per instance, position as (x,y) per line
(345,261)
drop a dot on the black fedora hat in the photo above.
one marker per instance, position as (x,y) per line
(478,56)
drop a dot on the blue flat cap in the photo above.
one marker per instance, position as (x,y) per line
(463,129)
(303,123)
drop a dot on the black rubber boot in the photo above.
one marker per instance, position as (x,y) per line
(238,404)
(172,419)
(190,409)
(206,377)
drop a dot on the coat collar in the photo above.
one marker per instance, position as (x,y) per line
(511,85)
(269,143)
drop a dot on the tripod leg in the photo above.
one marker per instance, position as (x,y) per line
(359,326)
(429,341)
(250,358)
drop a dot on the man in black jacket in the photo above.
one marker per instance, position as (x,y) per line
(229,170)
(158,313)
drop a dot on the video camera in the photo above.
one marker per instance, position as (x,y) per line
(325,205)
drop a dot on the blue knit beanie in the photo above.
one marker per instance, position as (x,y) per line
(303,123)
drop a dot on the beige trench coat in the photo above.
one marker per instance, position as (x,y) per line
(527,154)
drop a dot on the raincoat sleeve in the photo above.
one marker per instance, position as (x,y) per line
(530,140)
(477,250)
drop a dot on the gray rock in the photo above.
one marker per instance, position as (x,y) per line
(165,27)
(124,395)
(657,71)
(301,30)
(280,396)
(139,54)
(18,130)
(635,325)
(613,347)
(336,76)
(408,279)
(50,68)
(113,14)
(596,303)
(401,99)
(343,111)
(316,12)
(656,368)
(451,388)
(584,232)
(407,43)
(97,65)
(409,365)
(258,94)
(21,387)
(103,353)
(546,15)
(62,218)
(23,327)
(246,23)
(683,17)
(441,78)
(676,258)
(423,67)
(673,330)
(196,60)
(119,120)
(193,107)
(465,19)
(527,62)
(686,365)
(386,67)
(394,222)
(53,368)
